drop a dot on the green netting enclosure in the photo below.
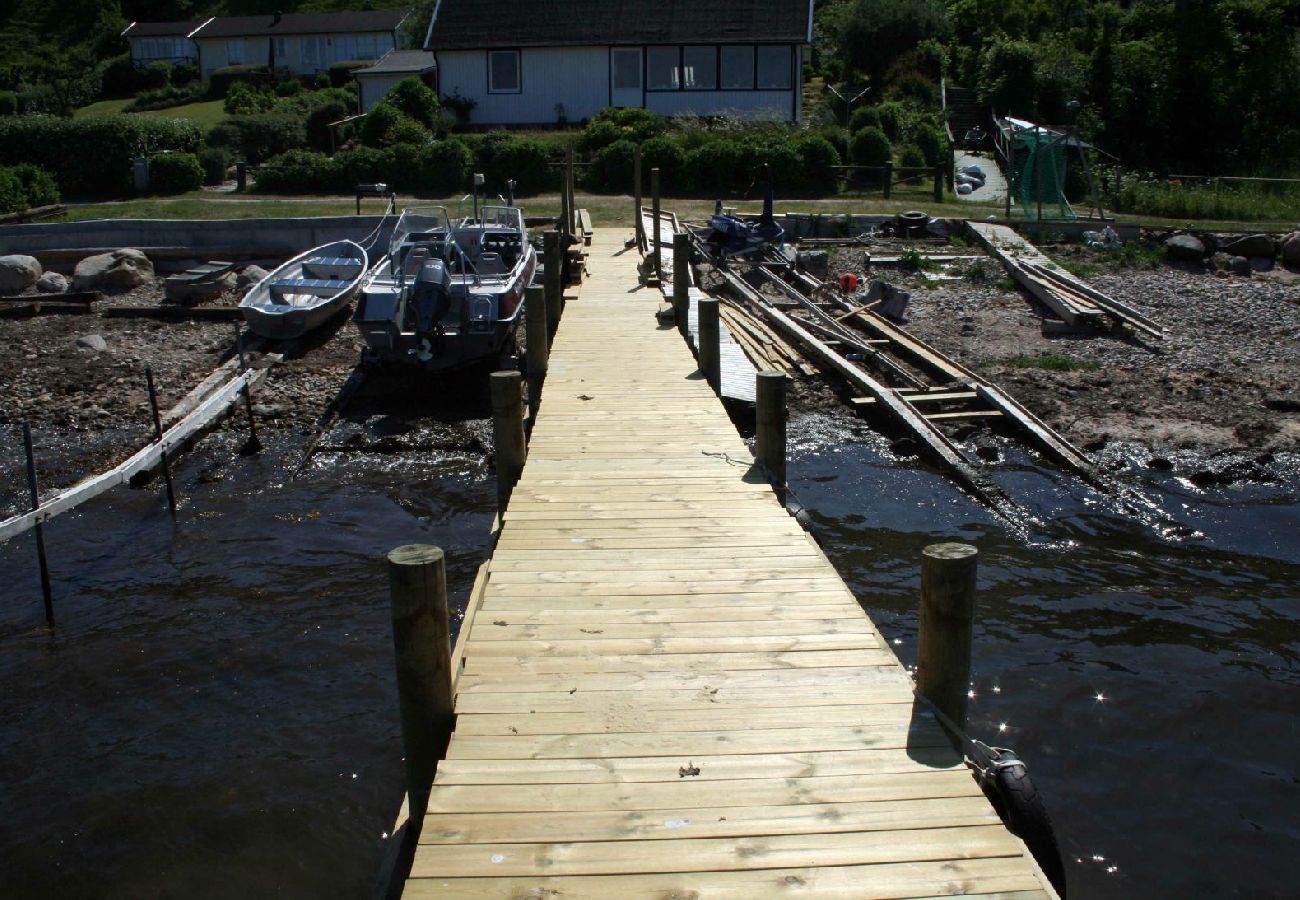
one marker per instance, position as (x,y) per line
(1037,160)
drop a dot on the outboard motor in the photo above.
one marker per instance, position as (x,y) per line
(430,296)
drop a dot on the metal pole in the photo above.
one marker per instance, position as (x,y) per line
(158,436)
(947,620)
(657,262)
(253,445)
(417,584)
(34,490)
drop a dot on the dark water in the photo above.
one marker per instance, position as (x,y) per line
(216,714)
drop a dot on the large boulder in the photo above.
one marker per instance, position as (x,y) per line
(1291,249)
(18,273)
(1185,248)
(1252,246)
(52,283)
(120,270)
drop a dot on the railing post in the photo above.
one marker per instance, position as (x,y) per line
(888,186)
(507,434)
(537,352)
(681,279)
(417,583)
(552,283)
(34,490)
(657,269)
(938,183)
(568,189)
(708,335)
(946,620)
(636,197)
(769,432)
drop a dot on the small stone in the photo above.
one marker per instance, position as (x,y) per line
(94,342)
(1184,247)
(52,283)
(1239,265)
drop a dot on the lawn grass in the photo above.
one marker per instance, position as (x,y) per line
(205,113)
(102,108)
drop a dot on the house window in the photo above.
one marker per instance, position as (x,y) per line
(503,72)
(662,68)
(774,68)
(700,68)
(235,52)
(738,68)
(627,70)
(279,50)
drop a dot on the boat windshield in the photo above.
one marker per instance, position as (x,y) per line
(419,220)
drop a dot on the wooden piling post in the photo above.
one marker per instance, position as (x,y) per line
(636,197)
(946,620)
(938,183)
(158,436)
(681,279)
(253,445)
(538,351)
(769,433)
(553,284)
(417,582)
(34,491)
(708,336)
(568,189)
(656,261)
(507,433)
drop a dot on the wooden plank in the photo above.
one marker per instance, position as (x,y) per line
(478,663)
(665,682)
(701,698)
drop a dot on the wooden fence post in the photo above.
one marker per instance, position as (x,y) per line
(888,186)
(657,261)
(946,620)
(158,436)
(708,335)
(553,285)
(507,433)
(636,198)
(34,491)
(538,353)
(417,583)
(769,432)
(681,280)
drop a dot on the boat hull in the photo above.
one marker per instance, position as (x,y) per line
(294,324)
(305,292)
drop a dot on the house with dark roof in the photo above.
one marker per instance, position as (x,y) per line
(373,82)
(300,43)
(167,42)
(535,62)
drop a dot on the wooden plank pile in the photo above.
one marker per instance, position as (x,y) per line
(201,283)
(766,349)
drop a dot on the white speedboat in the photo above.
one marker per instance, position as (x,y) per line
(306,291)
(449,292)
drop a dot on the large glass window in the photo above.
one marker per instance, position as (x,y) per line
(737,68)
(774,68)
(661,69)
(235,52)
(700,68)
(627,70)
(503,72)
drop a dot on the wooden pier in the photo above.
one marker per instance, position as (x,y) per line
(664,689)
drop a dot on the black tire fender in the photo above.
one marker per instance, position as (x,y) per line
(1013,794)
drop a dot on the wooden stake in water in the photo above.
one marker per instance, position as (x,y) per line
(253,445)
(708,333)
(769,431)
(40,529)
(158,436)
(947,621)
(507,433)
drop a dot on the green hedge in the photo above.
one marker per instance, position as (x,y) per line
(437,169)
(870,147)
(258,138)
(175,173)
(24,187)
(92,156)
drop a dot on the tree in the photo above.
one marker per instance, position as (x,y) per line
(873,34)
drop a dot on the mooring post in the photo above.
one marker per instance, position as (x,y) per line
(708,336)
(568,189)
(938,183)
(552,284)
(888,186)
(947,617)
(253,444)
(681,279)
(769,432)
(537,352)
(35,492)
(158,436)
(636,197)
(657,261)
(507,433)
(417,584)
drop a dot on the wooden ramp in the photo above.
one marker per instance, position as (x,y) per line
(666,689)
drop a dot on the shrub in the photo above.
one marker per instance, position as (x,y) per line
(318,121)
(669,158)
(448,163)
(24,187)
(175,173)
(8,103)
(817,156)
(184,73)
(417,100)
(120,77)
(12,198)
(221,81)
(407,131)
(526,161)
(382,118)
(92,156)
(245,99)
(915,87)
(300,172)
(717,168)
(610,125)
(864,117)
(270,134)
(460,107)
(932,143)
(870,147)
(214,162)
(911,157)
(166,97)
(892,119)
(156,75)
(611,169)
(289,88)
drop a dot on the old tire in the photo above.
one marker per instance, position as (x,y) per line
(1021,807)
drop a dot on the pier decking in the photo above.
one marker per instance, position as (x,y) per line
(667,690)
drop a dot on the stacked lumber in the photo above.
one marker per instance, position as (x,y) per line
(766,349)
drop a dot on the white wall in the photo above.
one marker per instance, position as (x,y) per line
(577,77)
(256,52)
(374,87)
(759,104)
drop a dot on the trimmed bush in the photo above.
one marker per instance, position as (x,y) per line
(361,165)
(290,88)
(416,100)
(870,147)
(300,172)
(175,173)
(670,159)
(525,160)
(381,119)
(911,156)
(245,99)
(448,163)
(427,170)
(221,81)
(718,168)
(92,156)
(893,117)
(864,117)
(24,187)
(816,157)
(184,73)
(611,169)
(156,75)
(8,103)
(214,162)
(270,134)
(407,131)
(318,121)
(933,145)
(610,125)
(165,98)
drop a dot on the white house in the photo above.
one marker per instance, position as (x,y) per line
(373,82)
(162,42)
(301,43)
(535,62)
